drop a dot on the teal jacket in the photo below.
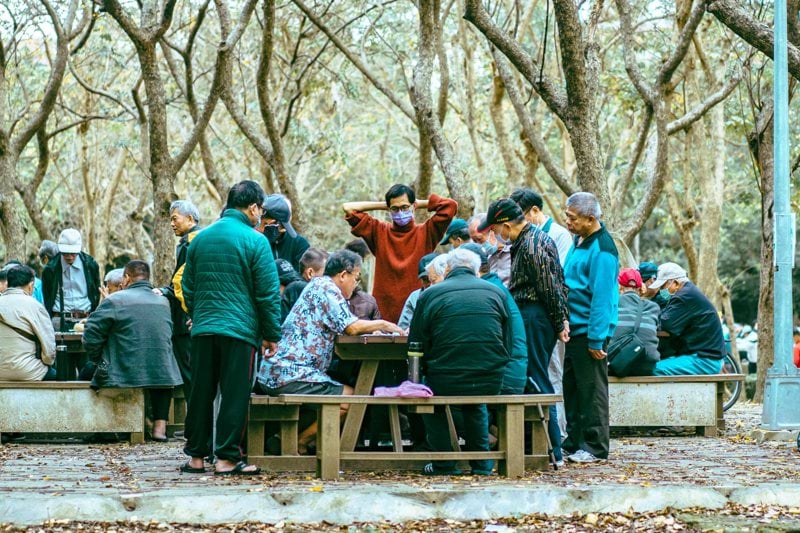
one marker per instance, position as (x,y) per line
(517,367)
(230,283)
(590,272)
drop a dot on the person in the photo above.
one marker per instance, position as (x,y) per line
(630,301)
(286,274)
(128,341)
(486,239)
(460,358)
(232,294)
(37,283)
(27,338)
(362,304)
(360,247)
(531,203)
(411,301)
(457,234)
(303,355)
(312,265)
(47,251)
(796,347)
(692,325)
(516,371)
(3,280)
(591,276)
(70,282)
(112,282)
(649,271)
(399,246)
(286,243)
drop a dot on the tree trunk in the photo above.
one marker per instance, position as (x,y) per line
(10,220)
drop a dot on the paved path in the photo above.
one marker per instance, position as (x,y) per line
(110,482)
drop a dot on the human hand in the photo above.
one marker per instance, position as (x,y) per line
(269,348)
(157,291)
(189,323)
(103,291)
(388,327)
(564,334)
(597,354)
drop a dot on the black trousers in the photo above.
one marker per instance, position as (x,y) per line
(160,400)
(585,399)
(182,348)
(227,363)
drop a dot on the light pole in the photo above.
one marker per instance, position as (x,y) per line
(782,389)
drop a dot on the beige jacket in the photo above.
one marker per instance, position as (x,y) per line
(18,361)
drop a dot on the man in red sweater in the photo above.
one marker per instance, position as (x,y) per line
(398,246)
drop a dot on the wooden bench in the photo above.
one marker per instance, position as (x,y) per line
(70,407)
(332,453)
(670,401)
(177,411)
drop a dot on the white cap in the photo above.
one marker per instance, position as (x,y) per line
(668,271)
(69,242)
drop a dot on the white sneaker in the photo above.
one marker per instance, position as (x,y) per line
(582,456)
(560,463)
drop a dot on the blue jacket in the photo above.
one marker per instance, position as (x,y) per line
(590,273)
(516,372)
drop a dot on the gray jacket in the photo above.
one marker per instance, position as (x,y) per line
(131,331)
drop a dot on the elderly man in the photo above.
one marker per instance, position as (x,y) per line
(457,233)
(277,227)
(637,313)
(649,271)
(27,339)
(692,325)
(537,284)
(70,282)
(591,275)
(304,353)
(411,301)
(460,358)
(232,293)
(128,342)
(112,282)
(398,246)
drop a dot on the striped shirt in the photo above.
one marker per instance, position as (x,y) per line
(537,276)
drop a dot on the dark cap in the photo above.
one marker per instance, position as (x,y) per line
(422,269)
(527,198)
(648,270)
(502,210)
(286,272)
(477,249)
(457,224)
(275,206)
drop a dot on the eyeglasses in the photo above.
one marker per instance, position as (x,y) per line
(357,278)
(400,208)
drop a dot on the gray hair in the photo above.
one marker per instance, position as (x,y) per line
(438,266)
(477,217)
(342,261)
(114,276)
(585,204)
(185,208)
(48,249)
(464,258)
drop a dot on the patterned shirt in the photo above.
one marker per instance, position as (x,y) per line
(307,337)
(537,276)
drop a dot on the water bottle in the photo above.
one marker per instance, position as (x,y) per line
(414,355)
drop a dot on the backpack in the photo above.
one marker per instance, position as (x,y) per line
(627,355)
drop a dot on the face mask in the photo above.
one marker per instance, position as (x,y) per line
(271,233)
(402,218)
(489,248)
(501,240)
(664,294)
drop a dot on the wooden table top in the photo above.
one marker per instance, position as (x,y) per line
(372,347)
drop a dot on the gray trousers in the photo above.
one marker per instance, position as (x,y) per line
(556,374)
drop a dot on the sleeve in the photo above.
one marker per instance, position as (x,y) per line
(674,317)
(38,295)
(338,316)
(508,325)
(418,330)
(187,282)
(563,242)
(300,249)
(48,287)
(365,226)
(267,290)
(43,329)
(551,288)
(605,295)
(443,209)
(408,310)
(97,329)
(175,290)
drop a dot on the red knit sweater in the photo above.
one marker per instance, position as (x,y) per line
(398,250)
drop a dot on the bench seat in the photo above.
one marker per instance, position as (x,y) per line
(70,407)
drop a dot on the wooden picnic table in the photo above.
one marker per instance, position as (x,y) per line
(370,350)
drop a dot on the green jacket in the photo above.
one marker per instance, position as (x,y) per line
(230,283)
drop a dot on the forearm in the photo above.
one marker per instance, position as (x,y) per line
(361,327)
(350,207)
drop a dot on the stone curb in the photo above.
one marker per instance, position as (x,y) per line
(377,503)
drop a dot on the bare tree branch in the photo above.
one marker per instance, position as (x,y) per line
(697,112)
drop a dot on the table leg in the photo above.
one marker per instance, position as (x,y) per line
(355,415)
(328,442)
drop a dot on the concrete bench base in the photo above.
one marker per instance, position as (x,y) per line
(70,407)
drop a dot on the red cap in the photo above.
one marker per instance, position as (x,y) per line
(630,277)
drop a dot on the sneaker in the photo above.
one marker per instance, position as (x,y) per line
(582,456)
(560,463)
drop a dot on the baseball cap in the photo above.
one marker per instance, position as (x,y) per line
(477,249)
(275,206)
(456,225)
(503,210)
(527,198)
(648,270)
(666,272)
(69,242)
(422,269)
(629,277)
(286,272)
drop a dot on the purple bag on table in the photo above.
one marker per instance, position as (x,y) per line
(406,389)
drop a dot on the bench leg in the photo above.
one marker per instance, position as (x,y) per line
(720,407)
(255,438)
(394,424)
(328,442)
(707,431)
(289,437)
(137,437)
(512,440)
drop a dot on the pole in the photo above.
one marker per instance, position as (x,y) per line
(782,388)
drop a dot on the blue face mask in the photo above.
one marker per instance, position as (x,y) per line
(489,248)
(402,218)
(664,294)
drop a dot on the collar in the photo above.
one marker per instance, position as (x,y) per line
(404,229)
(140,284)
(591,238)
(185,236)
(77,264)
(15,290)
(238,215)
(460,271)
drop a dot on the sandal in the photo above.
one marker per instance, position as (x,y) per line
(430,470)
(238,470)
(189,469)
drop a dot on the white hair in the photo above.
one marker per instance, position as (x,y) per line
(115,276)
(461,257)
(585,204)
(185,208)
(477,217)
(438,266)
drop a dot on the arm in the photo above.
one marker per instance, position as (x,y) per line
(98,326)
(361,327)
(550,290)
(187,283)
(603,282)
(43,329)
(267,291)
(443,209)
(352,207)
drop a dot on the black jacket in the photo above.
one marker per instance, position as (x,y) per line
(290,248)
(464,326)
(179,318)
(51,280)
